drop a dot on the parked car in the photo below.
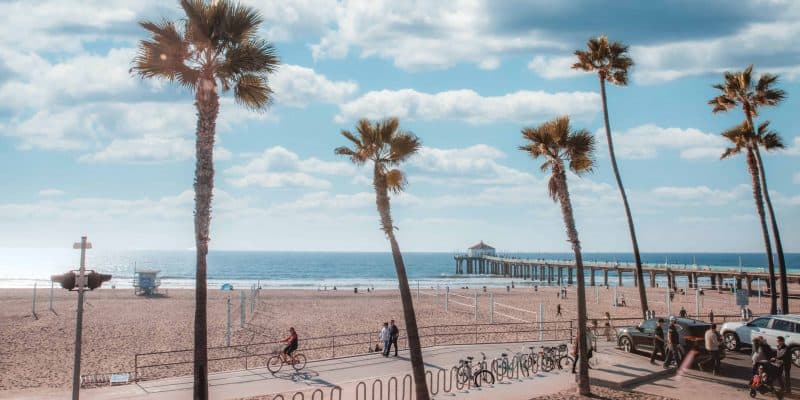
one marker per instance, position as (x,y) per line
(691,335)
(736,334)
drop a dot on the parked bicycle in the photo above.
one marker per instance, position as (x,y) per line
(296,360)
(478,373)
(502,366)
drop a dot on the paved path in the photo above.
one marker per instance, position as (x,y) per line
(613,368)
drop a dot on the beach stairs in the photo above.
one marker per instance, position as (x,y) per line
(98,380)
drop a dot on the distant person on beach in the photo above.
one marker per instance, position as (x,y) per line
(711,316)
(682,313)
(658,342)
(386,337)
(394,333)
(558,310)
(291,344)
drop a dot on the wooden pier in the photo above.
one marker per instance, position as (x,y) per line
(561,272)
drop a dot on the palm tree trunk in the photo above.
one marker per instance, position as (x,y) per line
(582,377)
(752,167)
(207,103)
(414,346)
(775,234)
(636,256)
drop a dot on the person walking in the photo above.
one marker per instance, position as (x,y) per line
(558,310)
(711,316)
(761,353)
(394,333)
(712,346)
(385,337)
(682,313)
(783,360)
(576,353)
(658,342)
(672,344)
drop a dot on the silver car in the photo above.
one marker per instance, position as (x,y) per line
(736,334)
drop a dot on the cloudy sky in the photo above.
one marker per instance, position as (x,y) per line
(87,148)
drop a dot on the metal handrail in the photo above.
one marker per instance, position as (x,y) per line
(438,335)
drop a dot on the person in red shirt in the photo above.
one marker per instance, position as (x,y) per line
(291,344)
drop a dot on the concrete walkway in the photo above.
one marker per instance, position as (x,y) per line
(610,367)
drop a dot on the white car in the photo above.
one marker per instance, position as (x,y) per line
(736,334)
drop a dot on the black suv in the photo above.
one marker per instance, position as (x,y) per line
(691,334)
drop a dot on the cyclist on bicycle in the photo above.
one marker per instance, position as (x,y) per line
(291,344)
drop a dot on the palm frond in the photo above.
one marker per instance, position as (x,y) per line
(730,151)
(164,55)
(253,92)
(552,187)
(258,56)
(349,135)
(240,23)
(395,181)
(402,146)
(579,148)
(772,141)
(199,27)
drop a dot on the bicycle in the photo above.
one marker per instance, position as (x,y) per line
(276,362)
(478,373)
(528,361)
(502,366)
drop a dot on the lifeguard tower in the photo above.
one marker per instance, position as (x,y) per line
(146,282)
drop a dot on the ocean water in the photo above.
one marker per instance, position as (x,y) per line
(312,270)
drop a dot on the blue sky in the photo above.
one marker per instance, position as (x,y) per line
(86,148)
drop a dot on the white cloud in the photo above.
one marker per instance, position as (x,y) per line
(424,34)
(670,61)
(552,67)
(474,165)
(286,20)
(467,105)
(38,83)
(299,86)
(50,192)
(793,149)
(645,141)
(679,196)
(279,167)
(150,149)
(117,131)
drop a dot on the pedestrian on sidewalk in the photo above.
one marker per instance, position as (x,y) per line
(673,353)
(658,342)
(385,337)
(394,333)
(783,360)
(761,353)
(576,352)
(712,346)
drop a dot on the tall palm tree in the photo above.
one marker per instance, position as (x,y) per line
(215,47)
(739,90)
(386,146)
(611,62)
(557,143)
(740,137)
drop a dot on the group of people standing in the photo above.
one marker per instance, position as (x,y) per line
(389,334)
(775,363)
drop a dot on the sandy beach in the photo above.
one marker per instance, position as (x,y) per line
(37,353)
